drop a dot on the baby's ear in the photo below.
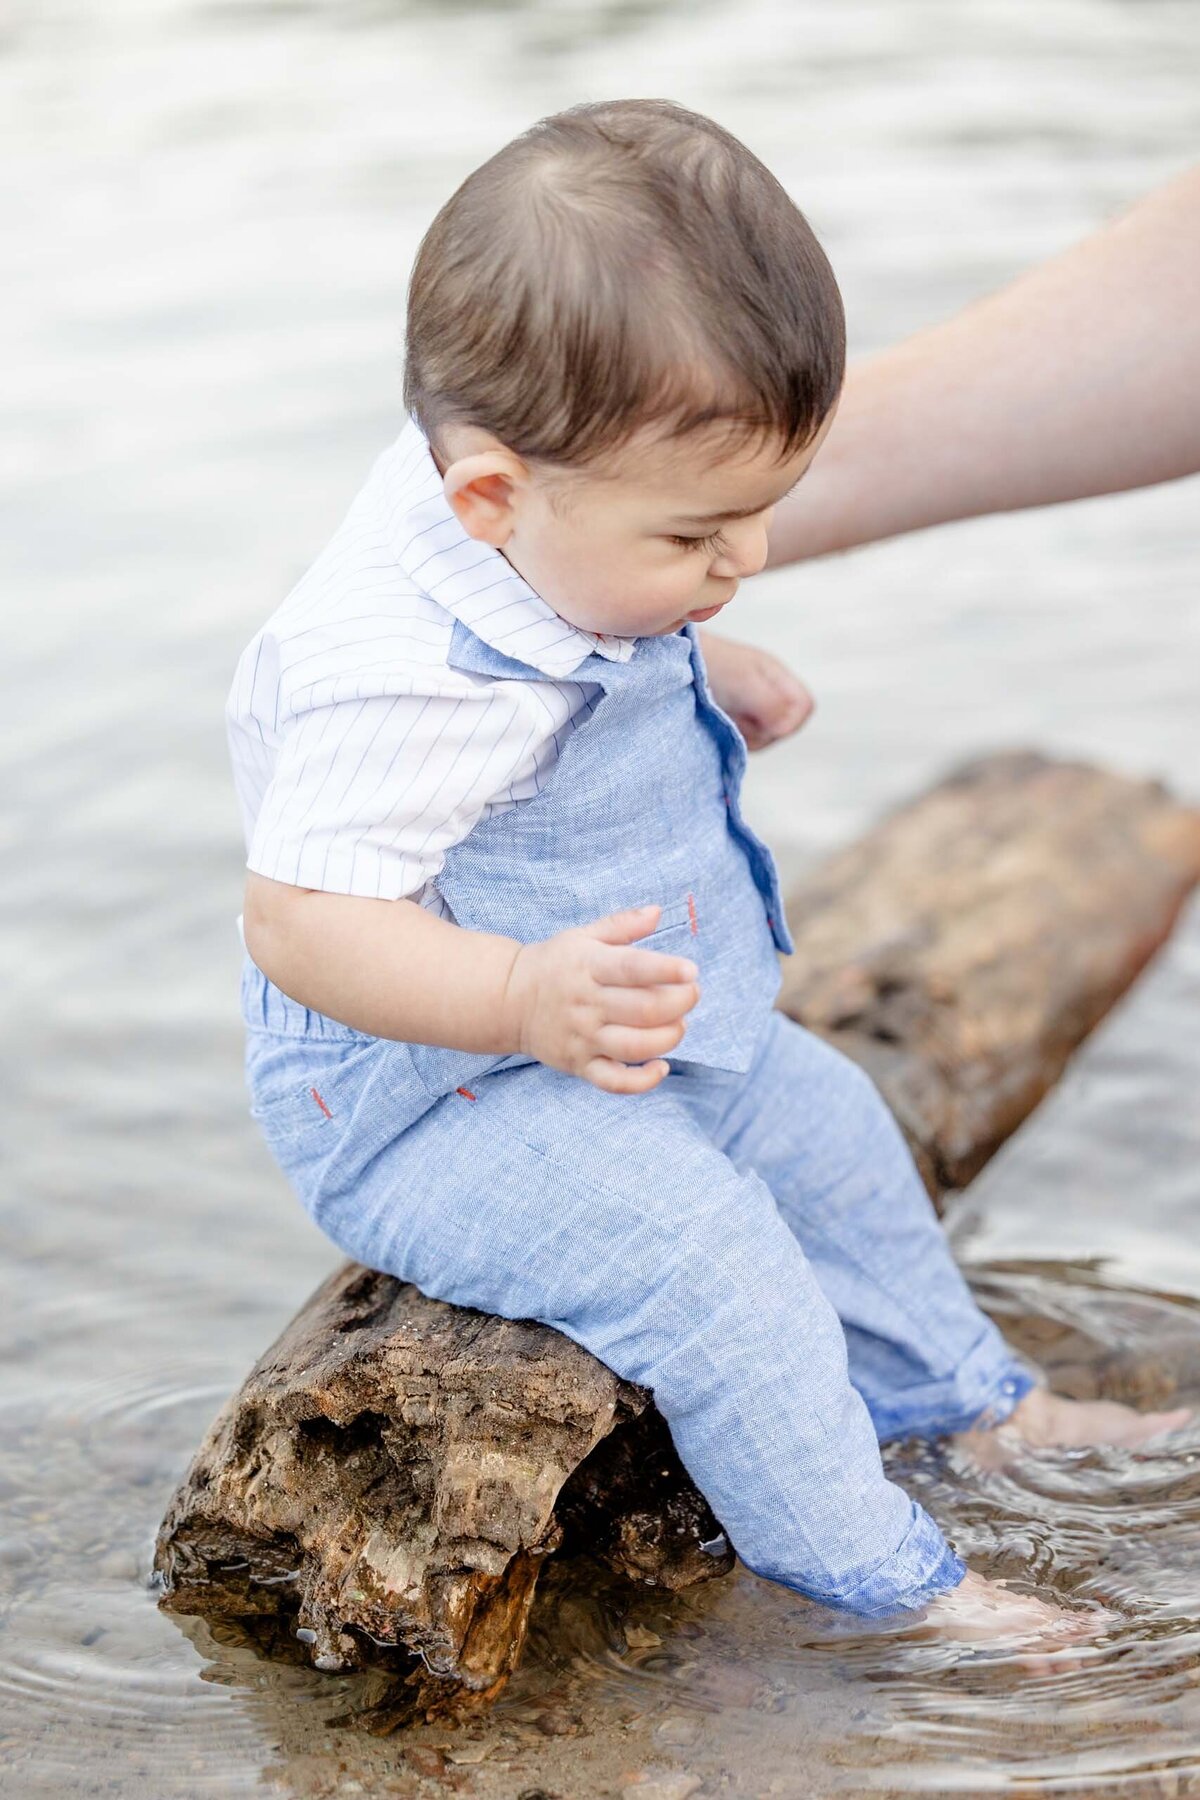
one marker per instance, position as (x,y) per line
(484,489)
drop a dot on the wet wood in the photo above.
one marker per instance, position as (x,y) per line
(393,1472)
(386,1485)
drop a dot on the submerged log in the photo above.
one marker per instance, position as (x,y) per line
(385,1486)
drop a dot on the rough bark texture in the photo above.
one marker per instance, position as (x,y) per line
(393,1471)
(384,1487)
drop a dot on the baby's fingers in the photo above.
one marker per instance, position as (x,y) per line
(648,1006)
(620,927)
(619,1078)
(642,968)
(631,1045)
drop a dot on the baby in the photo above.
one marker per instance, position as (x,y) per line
(513,948)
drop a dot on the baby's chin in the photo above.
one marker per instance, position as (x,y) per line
(700,614)
(696,615)
(631,628)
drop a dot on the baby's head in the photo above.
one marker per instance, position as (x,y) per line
(625,345)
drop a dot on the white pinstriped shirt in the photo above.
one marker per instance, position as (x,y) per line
(359,755)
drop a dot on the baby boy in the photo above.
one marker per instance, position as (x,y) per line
(513,948)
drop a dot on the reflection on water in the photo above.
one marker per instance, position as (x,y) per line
(213,210)
(727,1683)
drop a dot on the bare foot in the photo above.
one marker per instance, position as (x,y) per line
(980,1611)
(1042,1419)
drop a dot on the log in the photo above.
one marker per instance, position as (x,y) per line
(386,1485)
(968,944)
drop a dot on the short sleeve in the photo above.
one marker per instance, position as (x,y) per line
(367,795)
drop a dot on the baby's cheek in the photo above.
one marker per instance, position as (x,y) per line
(683,584)
(631,589)
(583,589)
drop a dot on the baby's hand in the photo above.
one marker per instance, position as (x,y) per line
(758,691)
(587,1002)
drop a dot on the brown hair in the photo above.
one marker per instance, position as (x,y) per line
(619,265)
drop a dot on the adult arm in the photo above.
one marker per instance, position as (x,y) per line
(1082,377)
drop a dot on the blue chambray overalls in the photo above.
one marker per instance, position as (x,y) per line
(749,1239)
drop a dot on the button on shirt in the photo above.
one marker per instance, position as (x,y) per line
(360,756)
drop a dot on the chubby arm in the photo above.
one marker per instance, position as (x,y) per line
(586,1000)
(1079,378)
(387,967)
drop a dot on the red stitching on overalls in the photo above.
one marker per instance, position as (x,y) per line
(692,916)
(465,1092)
(320,1103)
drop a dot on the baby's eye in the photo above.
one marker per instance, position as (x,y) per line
(711,544)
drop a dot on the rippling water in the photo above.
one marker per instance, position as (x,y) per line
(210,216)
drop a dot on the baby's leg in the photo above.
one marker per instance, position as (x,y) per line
(614,1219)
(925,1358)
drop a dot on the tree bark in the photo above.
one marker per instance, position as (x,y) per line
(383,1489)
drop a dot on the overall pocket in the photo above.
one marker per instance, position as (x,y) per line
(677,931)
(328,1107)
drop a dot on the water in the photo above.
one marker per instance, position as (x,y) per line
(211,213)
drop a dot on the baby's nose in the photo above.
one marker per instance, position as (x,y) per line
(745,555)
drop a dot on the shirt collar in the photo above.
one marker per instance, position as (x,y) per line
(473,581)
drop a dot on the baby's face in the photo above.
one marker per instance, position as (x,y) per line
(659,533)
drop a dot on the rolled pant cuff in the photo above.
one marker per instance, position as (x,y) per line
(982,1392)
(922,1567)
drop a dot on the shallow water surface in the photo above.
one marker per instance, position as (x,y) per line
(212,214)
